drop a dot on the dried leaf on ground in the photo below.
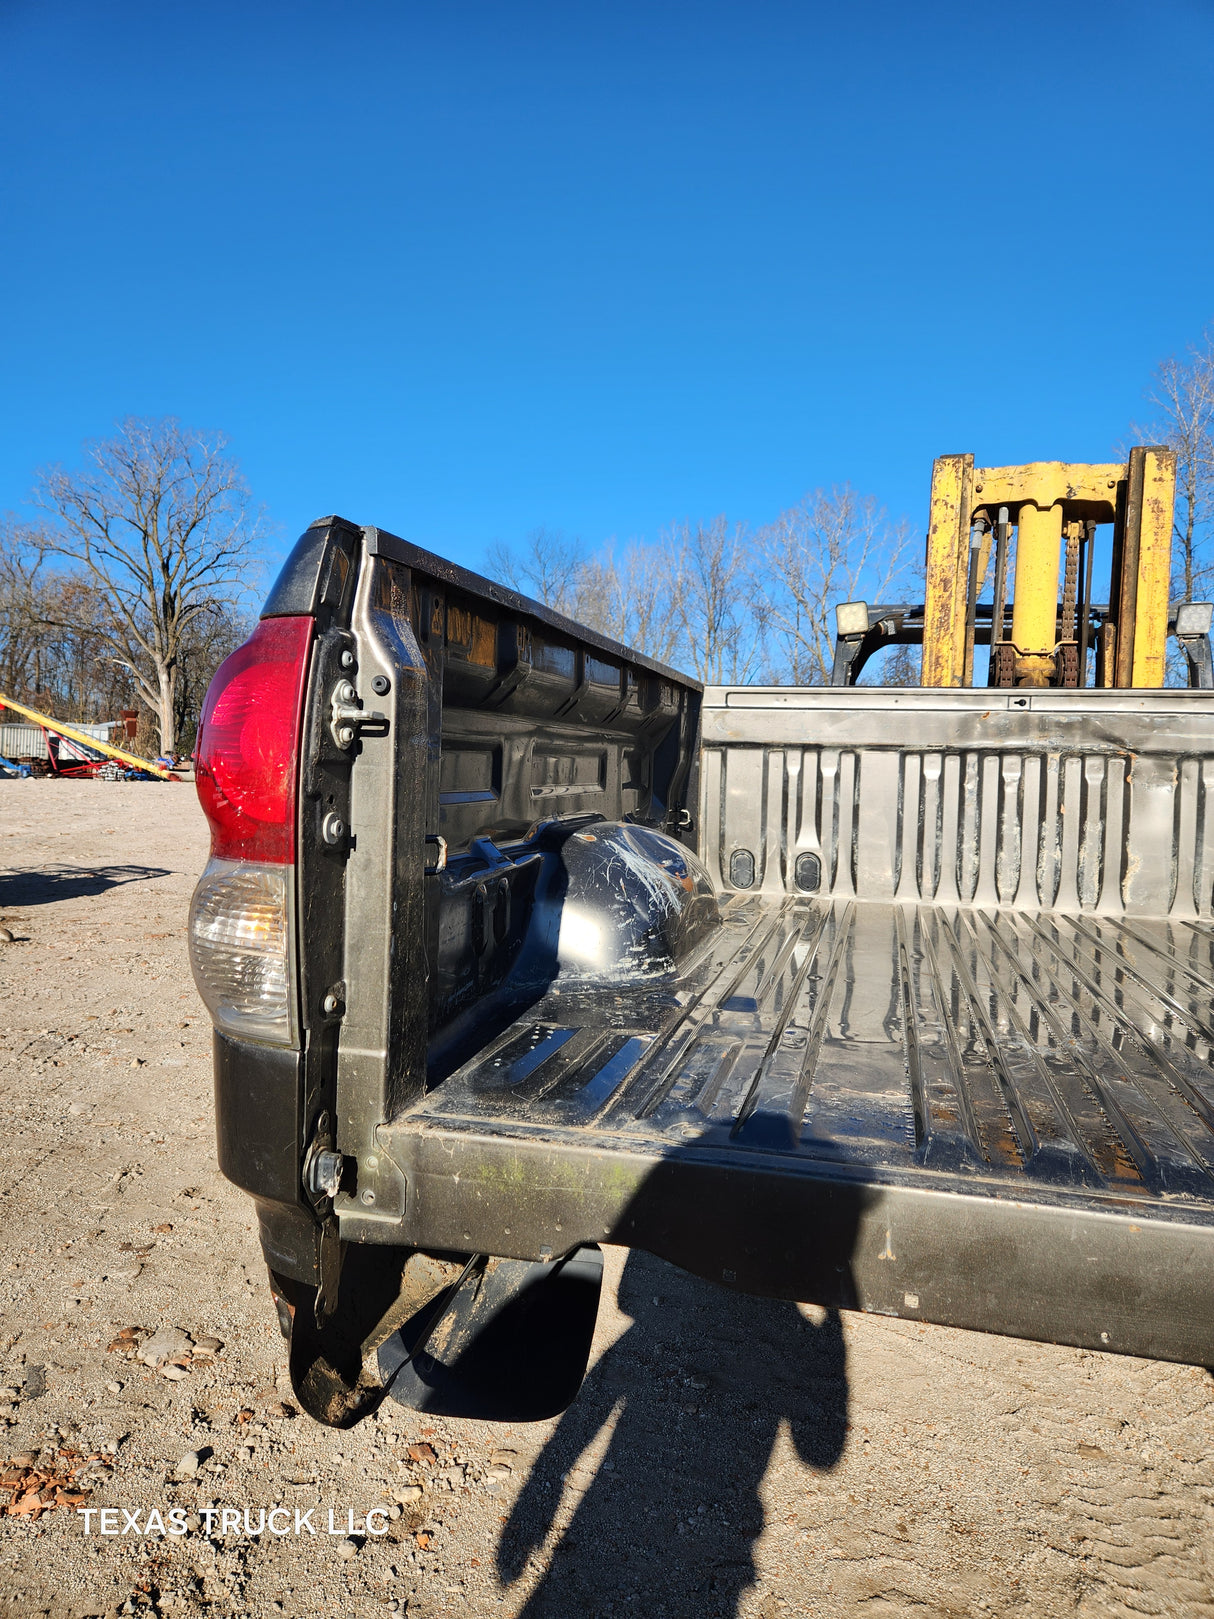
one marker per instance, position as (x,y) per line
(33,1491)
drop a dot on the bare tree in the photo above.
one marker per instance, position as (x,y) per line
(719,601)
(832,547)
(1183,391)
(210,635)
(51,654)
(630,595)
(21,568)
(546,567)
(717,605)
(895,666)
(57,631)
(79,678)
(159,520)
(627,595)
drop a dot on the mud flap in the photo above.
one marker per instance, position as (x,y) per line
(510,1345)
(334,1370)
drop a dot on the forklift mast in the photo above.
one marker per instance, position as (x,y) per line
(1037,525)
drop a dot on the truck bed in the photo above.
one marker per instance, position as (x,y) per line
(969,1115)
(947,1055)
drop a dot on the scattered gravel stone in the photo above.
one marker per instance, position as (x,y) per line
(347,1549)
(503,1458)
(499,1470)
(113,1387)
(189,1464)
(6,937)
(167,1344)
(408,1492)
(126,1342)
(174,1373)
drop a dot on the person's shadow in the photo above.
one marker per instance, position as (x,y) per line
(694,1395)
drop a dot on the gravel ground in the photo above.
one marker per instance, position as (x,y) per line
(726,1456)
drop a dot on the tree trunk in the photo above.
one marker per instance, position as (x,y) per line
(167,708)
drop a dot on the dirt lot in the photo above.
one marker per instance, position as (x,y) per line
(725,1455)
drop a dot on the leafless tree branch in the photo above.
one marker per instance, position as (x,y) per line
(160,520)
(833,546)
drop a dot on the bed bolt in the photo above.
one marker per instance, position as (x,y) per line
(324,1176)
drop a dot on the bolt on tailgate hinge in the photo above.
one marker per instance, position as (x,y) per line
(348,716)
(324,1174)
(322,1166)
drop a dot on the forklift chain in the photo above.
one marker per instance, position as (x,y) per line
(1070,588)
(1005,664)
(1068,665)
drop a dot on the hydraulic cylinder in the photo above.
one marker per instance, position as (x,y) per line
(1035,598)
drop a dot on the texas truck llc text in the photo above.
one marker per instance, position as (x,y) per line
(239,1521)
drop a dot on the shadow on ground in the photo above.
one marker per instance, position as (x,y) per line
(43,885)
(695,1394)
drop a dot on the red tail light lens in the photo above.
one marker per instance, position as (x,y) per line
(248,743)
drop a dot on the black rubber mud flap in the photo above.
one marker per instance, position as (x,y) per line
(333,1359)
(511,1344)
(333,1378)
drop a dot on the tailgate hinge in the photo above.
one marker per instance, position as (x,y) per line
(348,716)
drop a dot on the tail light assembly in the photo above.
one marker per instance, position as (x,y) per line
(241,930)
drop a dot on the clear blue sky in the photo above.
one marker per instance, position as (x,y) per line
(465,269)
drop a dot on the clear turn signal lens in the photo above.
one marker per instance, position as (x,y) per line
(240,948)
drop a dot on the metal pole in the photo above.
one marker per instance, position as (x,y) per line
(1002,528)
(971,599)
(1085,606)
(58,727)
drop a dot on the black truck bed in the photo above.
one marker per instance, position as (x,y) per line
(947,1056)
(973,1116)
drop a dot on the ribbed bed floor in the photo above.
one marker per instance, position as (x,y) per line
(1064,1051)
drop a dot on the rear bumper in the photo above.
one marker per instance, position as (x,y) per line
(1088,1274)
(258,1092)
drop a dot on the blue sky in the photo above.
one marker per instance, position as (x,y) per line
(463,270)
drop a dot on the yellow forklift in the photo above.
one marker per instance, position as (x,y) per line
(1038,525)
